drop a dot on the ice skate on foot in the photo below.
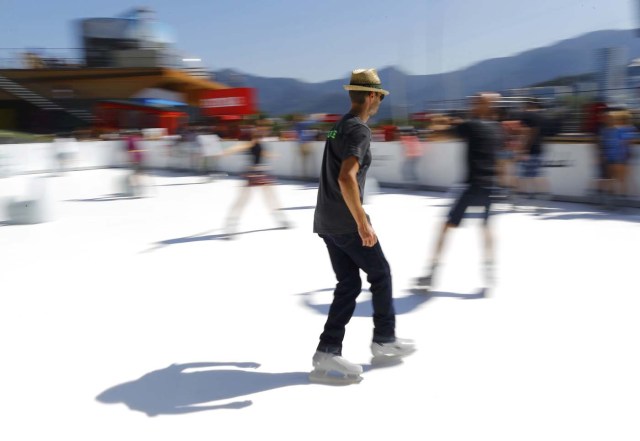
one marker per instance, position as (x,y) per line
(228,235)
(385,362)
(423,283)
(335,370)
(489,274)
(484,293)
(401,347)
(229,231)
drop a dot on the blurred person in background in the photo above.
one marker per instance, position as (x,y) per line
(256,175)
(506,157)
(352,244)
(187,145)
(483,136)
(532,182)
(210,150)
(135,153)
(377,135)
(617,138)
(306,134)
(595,122)
(413,149)
(65,150)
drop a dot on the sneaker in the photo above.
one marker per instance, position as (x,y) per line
(401,347)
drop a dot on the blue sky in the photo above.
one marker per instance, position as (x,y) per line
(324,39)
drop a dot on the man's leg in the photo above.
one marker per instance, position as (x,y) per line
(488,238)
(385,345)
(233,217)
(540,180)
(273,204)
(437,252)
(524,184)
(344,297)
(488,244)
(453,220)
(374,263)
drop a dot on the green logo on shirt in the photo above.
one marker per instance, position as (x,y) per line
(332,134)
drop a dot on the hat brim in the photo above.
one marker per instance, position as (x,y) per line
(365,89)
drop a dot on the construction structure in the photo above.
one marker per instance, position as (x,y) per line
(126,58)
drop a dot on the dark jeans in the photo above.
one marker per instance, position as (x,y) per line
(348,257)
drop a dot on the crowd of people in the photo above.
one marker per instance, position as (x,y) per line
(615,133)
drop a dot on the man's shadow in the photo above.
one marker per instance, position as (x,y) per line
(203,237)
(402,305)
(107,198)
(196,387)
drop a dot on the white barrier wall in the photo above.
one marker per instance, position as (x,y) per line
(441,166)
(41,157)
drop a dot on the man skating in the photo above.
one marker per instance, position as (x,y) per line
(483,136)
(340,220)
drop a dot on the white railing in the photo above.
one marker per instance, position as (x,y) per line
(440,167)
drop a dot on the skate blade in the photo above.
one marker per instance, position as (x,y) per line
(389,357)
(482,293)
(333,379)
(394,356)
(425,288)
(383,361)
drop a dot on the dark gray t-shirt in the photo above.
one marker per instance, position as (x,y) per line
(484,139)
(349,137)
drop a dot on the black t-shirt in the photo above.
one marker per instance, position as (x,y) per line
(349,137)
(483,141)
(534,120)
(256,151)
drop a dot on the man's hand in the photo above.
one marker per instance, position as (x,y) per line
(367,234)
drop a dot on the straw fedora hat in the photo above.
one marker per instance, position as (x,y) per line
(366,80)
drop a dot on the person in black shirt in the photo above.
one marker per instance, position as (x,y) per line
(340,220)
(483,136)
(531,180)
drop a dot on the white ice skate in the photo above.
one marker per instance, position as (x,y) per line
(401,347)
(333,369)
(489,276)
(423,283)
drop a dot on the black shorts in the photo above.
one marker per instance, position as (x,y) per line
(472,196)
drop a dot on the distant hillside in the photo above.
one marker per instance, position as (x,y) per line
(575,57)
(567,81)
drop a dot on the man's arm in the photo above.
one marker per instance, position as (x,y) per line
(245,145)
(351,194)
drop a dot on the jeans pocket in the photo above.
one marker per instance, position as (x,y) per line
(344,240)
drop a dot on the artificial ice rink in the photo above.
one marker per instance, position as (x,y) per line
(133,319)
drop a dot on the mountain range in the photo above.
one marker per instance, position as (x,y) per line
(412,93)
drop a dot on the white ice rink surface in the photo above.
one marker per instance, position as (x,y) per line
(130,319)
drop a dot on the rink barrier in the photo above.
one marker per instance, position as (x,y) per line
(571,165)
